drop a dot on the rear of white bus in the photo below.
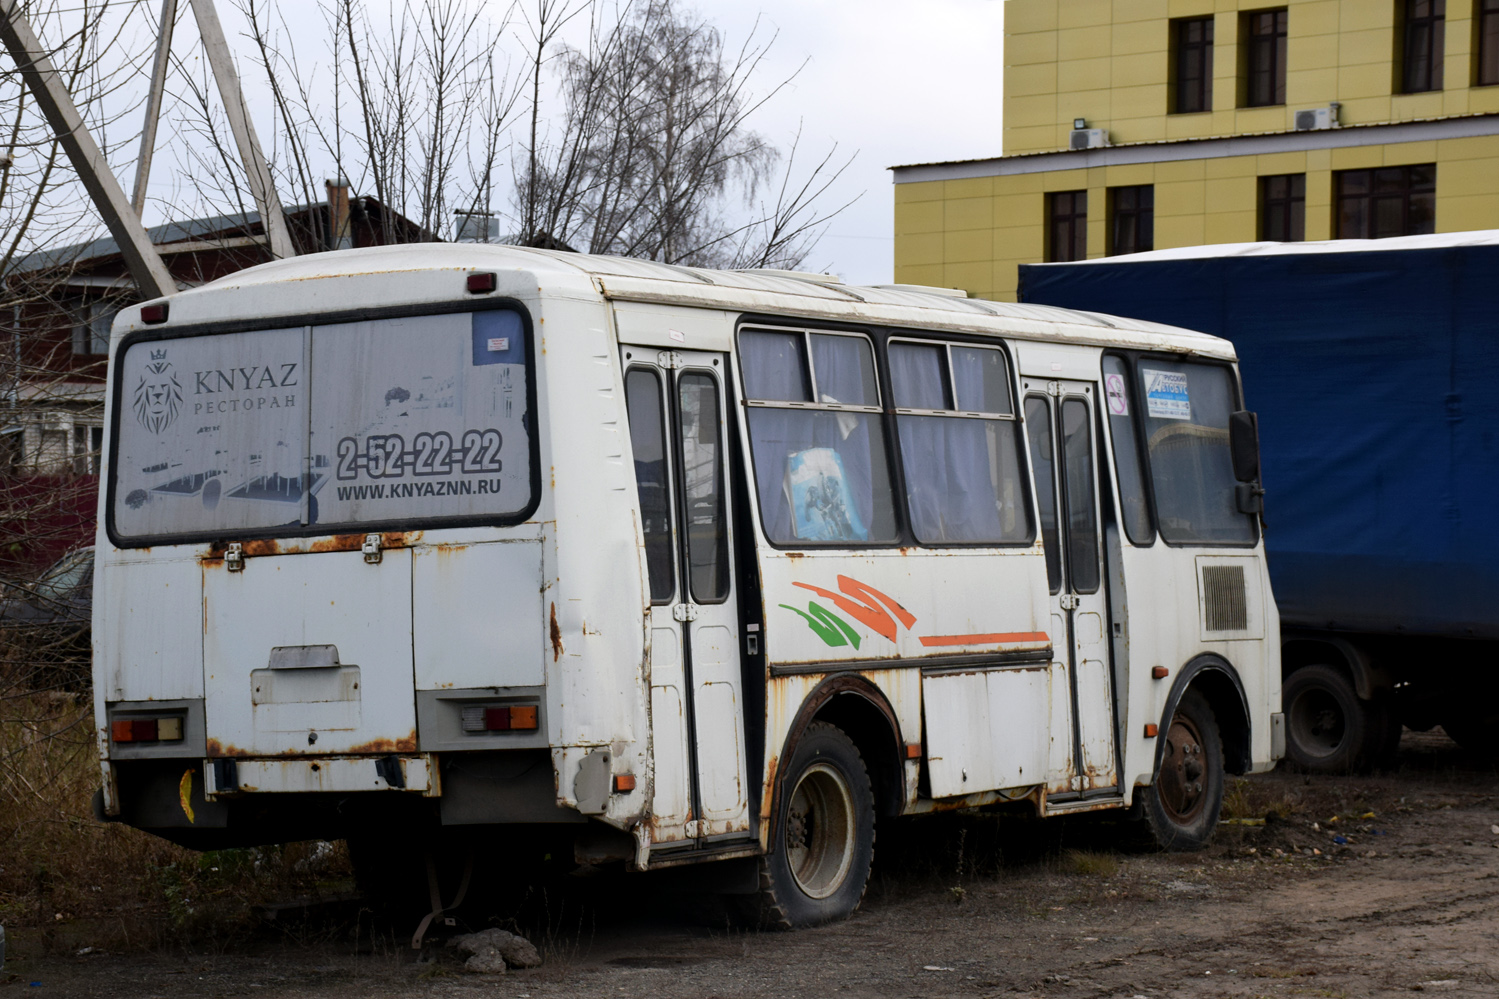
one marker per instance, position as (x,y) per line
(319,567)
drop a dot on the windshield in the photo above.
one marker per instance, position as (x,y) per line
(66,574)
(321,427)
(1186,436)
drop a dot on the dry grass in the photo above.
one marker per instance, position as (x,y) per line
(68,876)
(1087,863)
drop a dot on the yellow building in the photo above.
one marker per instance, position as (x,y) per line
(1147,124)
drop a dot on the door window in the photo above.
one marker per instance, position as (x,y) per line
(1038,430)
(1119,398)
(1082,516)
(648,442)
(702,487)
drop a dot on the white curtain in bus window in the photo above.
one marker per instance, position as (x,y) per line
(420,418)
(1185,417)
(211,434)
(959,445)
(819,455)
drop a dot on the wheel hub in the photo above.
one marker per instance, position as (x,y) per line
(820,831)
(1181,787)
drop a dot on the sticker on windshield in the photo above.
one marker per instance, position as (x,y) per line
(1166,394)
(1113,388)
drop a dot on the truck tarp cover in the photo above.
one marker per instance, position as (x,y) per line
(1376,379)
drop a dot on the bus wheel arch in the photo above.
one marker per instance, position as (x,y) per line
(861,710)
(1215,679)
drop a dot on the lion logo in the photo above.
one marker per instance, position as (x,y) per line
(158,397)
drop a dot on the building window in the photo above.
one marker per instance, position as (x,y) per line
(1388,201)
(1283,208)
(1487,26)
(1265,58)
(91,334)
(1067,225)
(1423,30)
(88,444)
(1192,65)
(1131,219)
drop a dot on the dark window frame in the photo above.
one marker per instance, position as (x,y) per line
(1074,219)
(1189,94)
(1132,360)
(1287,210)
(1370,199)
(116,404)
(1264,35)
(881,336)
(1141,212)
(1486,43)
(663,403)
(1422,45)
(1137,434)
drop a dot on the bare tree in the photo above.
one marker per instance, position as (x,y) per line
(653,155)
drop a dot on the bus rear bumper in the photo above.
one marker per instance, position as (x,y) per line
(337,774)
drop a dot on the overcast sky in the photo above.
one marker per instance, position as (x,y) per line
(900,82)
(893,80)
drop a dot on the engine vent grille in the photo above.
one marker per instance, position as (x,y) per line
(1223,598)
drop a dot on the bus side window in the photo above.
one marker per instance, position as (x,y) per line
(817,445)
(648,441)
(959,443)
(1118,397)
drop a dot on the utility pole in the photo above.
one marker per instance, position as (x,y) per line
(146,266)
(153,104)
(262,186)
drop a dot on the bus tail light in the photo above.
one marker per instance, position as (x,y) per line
(146,730)
(510,718)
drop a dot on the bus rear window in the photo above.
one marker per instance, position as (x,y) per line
(396,420)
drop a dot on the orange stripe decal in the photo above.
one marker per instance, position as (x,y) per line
(1013,636)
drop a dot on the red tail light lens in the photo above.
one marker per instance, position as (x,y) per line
(146,730)
(483,718)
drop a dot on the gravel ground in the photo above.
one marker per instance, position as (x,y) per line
(971,906)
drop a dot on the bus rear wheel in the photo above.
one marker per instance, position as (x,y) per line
(823,838)
(1327,727)
(1181,808)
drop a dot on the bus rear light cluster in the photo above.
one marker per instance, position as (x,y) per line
(515,717)
(146,730)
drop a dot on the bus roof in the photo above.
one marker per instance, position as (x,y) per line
(763,292)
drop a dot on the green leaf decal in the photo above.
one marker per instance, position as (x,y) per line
(828,626)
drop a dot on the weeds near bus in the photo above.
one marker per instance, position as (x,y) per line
(1088,863)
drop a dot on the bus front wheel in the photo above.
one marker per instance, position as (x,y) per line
(823,838)
(1181,808)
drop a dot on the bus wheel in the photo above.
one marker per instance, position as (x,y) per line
(1181,807)
(1327,726)
(823,839)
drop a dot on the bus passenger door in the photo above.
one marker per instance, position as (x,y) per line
(679,436)
(1060,423)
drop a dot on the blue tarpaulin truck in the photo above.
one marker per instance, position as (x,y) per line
(1374,367)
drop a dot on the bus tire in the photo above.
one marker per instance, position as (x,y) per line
(822,842)
(1181,807)
(1327,726)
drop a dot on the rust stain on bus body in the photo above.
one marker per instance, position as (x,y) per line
(260,547)
(374,747)
(556,633)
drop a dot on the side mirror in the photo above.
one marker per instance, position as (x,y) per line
(1244,445)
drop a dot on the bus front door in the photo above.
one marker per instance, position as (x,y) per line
(1060,424)
(678,431)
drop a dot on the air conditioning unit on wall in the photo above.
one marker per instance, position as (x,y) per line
(1089,138)
(1317,118)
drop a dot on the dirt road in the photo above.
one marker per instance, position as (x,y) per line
(967,907)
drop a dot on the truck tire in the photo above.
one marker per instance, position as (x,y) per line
(1475,730)
(1328,729)
(1181,806)
(822,840)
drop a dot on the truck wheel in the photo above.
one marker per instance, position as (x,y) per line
(823,837)
(1181,808)
(1327,726)
(1474,729)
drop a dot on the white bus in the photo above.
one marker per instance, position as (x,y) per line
(667,565)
